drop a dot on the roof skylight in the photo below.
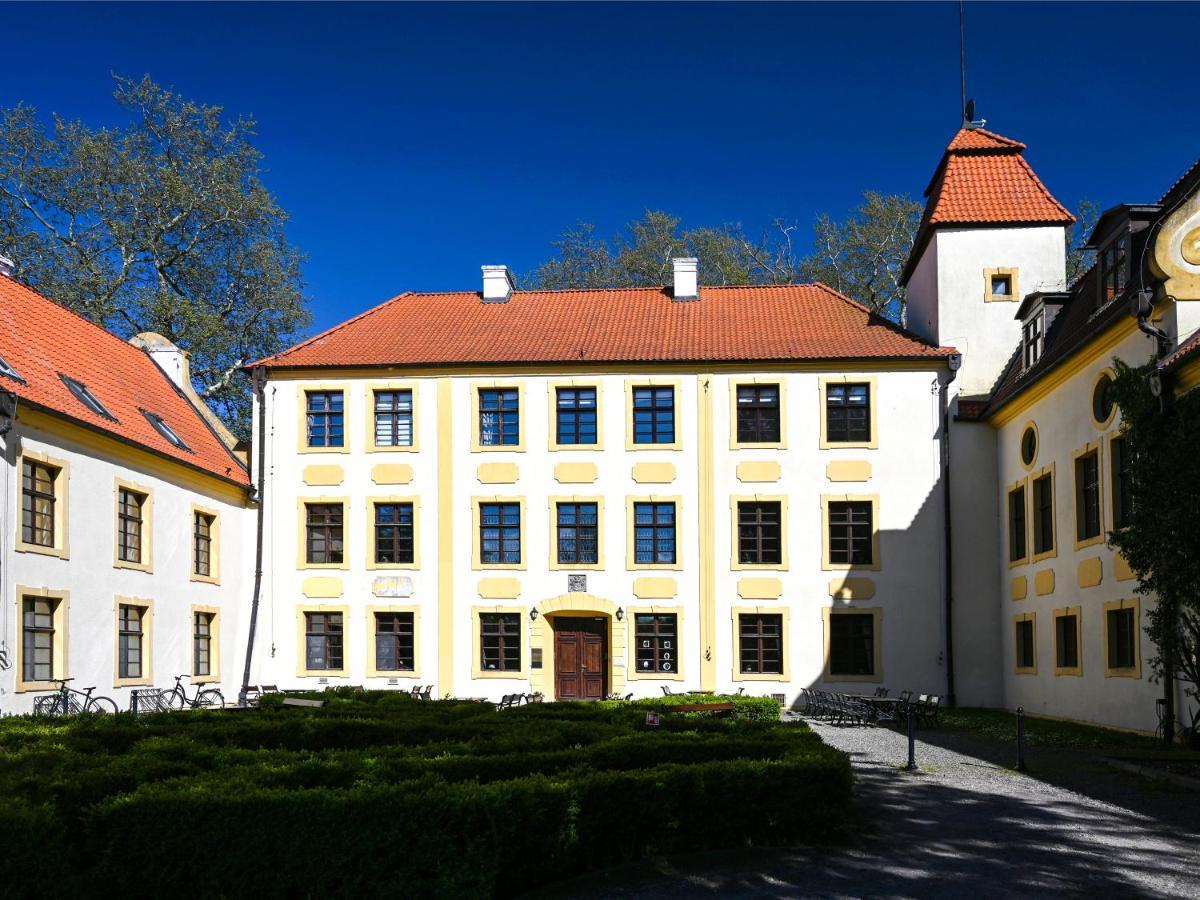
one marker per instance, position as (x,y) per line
(165,430)
(9,371)
(86,397)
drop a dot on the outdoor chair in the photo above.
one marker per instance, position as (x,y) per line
(667,692)
(881,692)
(427,693)
(928,713)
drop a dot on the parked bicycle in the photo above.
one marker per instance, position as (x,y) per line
(68,701)
(205,698)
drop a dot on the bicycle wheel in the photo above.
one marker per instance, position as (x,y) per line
(176,700)
(210,698)
(102,705)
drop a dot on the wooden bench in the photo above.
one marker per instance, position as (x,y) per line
(300,701)
(700,707)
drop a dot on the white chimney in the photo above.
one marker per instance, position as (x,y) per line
(167,356)
(7,266)
(685,282)
(497,284)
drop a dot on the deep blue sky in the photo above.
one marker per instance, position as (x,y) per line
(410,143)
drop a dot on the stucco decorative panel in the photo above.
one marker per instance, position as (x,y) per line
(654,473)
(499,588)
(1091,572)
(392,473)
(322,476)
(760,470)
(1121,570)
(851,589)
(759,588)
(1018,588)
(848,470)
(322,586)
(1043,582)
(654,588)
(498,473)
(575,473)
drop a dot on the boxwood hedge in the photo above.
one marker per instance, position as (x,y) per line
(376,794)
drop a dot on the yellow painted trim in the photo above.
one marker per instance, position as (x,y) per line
(1135,671)
(391,473)
(759,471)
(848,470)
(302,562)
(552,402)
(61,547)
(705,492)
(872,401)
(576,473)
(1112,414)
(445,523)
(498,473)
(760,588)
(1107,474)
(323,475)
(655,588)
(1020,485)
(654,381)
(370,524)
(1037,445)
(1043,582)
(499,588)
(734,502)
(1034,477)
(1187,377)
(60,646)
(1092,447)
(1013,273)
(876,613)
(214,645)
(734,384)
(1018,588)
(373,670)
(1090,572)
(147,608)
(1121,569)
(476,560)
(371,387)
(302,670)
(214,545)
(631,670)
(477,670)
(876,559)
(552,505)
(302,424)
(653,472)
(322,587)
(785,642)
(849,588)
(147,534)
(630,546)
(1049,383)
(1076,670)
(519,386)
(1017,667)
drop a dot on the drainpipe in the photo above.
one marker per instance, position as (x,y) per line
(259,376)
(947,530)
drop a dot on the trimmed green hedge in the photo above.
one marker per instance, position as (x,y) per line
(376,794)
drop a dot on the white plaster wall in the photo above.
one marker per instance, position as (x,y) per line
(94,583)
(922,294)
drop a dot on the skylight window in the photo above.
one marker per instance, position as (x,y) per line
(86,397)
(9,371)
(165,430)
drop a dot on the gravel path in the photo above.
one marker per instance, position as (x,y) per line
(960,827)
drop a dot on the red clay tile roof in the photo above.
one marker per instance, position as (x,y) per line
(41,339)
(1185,351)
(984,180)
(784,322)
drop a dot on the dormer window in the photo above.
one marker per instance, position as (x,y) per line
(86,397)
(9,372)
(1114,268)
(1031,340)
(165,430)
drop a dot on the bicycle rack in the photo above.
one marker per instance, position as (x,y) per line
(148,700)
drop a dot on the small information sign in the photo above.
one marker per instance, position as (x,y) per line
(652,719)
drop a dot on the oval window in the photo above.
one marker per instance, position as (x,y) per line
(1029,446)
(1102,400)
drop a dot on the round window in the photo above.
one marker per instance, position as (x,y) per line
(1029,446)
(1102,399)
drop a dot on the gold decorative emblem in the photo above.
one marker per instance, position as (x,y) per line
(1190,249)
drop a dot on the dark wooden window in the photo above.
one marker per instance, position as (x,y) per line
(576,415)
(323,533)
(851,644)
(500,533)
(654,533)
(37,636)
(1113,269)
(394,642)
(760,644)
(1016,524)
(657,639)
(130,507)
(323,634)
(1031,341)
(578,534)
(393,533)
(202,529)
(1103,399)
(1043,514)
(1029,442)
(500,642)
(851,533)
(499,417)
(1066,642)
(393,419)
(1122,481)
(1122,638)
(760,533)
(202,628)
(326,418)
(1026,652)
(38,484)
(1001,285)
(1087,496)
(654,415)
(129,640)
(847,413)
(758,414)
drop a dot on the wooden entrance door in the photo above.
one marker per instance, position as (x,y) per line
(580,658)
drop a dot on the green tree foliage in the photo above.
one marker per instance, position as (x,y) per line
(1161,540)
(1080,260)
(162,224)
